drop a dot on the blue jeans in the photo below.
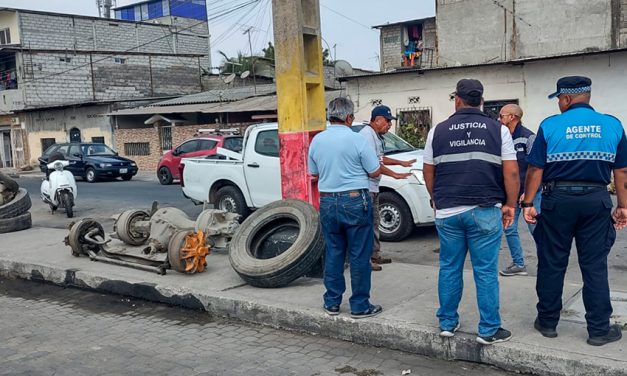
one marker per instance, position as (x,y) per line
(511,233)
(347,227)
(479,231)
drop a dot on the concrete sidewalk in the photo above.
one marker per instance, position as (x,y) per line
(407,292)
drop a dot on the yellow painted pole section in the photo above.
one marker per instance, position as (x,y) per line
(298,61)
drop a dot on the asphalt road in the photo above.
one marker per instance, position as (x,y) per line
(104,199)
(47,330)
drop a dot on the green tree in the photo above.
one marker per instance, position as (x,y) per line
(238,64)
(268,52)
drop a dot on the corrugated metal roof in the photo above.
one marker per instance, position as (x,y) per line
(220,95)
(259,103)
(403,22)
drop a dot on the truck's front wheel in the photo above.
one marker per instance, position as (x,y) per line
(229,198)
(395,219)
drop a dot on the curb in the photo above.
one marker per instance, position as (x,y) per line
(412,338)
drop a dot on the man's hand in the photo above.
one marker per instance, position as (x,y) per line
(407,163)
(530,215)
(401,175)
(620,218)
(508,215)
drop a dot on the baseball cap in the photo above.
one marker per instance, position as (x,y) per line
(469,88)
(572,85)
(382,111)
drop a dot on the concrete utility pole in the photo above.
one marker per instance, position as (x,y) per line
(300,91)
(252,60)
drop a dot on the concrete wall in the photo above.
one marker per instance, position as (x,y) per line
(10,20)
(74,33)
(53,80)
(530,83)
(479,31)
(392,46)
(57,124)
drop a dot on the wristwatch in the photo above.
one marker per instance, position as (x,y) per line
(526,204)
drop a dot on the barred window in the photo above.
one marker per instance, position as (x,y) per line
(137,148)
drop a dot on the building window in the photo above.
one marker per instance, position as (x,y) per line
(98,140)
(119,60)
(65,59)
(5,36)
(493,108)
(46,143)
(414,125)
(165,136)
(136,148)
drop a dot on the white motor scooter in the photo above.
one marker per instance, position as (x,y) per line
(59,190)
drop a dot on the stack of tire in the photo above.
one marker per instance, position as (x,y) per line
(14,206)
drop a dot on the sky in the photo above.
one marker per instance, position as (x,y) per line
(346,24)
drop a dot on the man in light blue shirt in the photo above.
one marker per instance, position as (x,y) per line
(343,161)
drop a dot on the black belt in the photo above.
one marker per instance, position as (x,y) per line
(567,183)
(356,192)
(571,185)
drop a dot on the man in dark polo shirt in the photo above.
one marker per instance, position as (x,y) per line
(573,158)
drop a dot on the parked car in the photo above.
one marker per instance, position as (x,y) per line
(251,179)
(92,161)
(168,168)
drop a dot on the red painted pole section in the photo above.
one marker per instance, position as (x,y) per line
(295,179)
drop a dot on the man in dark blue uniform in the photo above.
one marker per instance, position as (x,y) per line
(573,157)
(471,173)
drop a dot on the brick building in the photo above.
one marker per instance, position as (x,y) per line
(60,73)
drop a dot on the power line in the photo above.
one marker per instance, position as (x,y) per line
(226,12)
(500,5)
(348,18)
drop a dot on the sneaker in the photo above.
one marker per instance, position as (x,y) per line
(613,335)
(449,333)
(331,311)
(514,269)
(501,335)
(547,332)
(372,311)
(381,260)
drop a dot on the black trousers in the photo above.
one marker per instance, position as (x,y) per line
(582,213)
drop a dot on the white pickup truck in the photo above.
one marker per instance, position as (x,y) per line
(243,182)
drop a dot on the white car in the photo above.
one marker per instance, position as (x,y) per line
(241,182)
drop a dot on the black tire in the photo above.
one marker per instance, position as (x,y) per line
(90,175)
(262,266)
(231,199)
(395,219)
(165,176)
(127,177)
(67,201)
(8,183)
(19,205)
(21,222)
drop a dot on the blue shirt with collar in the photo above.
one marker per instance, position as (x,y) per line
(579,145)
(342,159)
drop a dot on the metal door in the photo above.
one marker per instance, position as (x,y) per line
(75,135)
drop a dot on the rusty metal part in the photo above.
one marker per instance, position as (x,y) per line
(159,269)
(187,252)
(133,227)
(76,238)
